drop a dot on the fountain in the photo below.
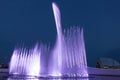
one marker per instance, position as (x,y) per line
(56,59)
(69,53)
(68,57)
(24,62)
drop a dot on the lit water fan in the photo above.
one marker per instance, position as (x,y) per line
(69,56)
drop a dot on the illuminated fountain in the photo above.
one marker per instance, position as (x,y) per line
(56,58)
(68,57)
(27,62)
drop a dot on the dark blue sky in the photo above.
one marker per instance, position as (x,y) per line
(29,21)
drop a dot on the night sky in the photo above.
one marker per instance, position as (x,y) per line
(31,21)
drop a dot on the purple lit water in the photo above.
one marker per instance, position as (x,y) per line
(68,57)
(56,58)
(24,62)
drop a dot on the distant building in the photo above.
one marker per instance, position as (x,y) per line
(2,65)
(107,63)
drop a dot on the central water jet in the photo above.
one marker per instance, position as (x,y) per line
(55,70)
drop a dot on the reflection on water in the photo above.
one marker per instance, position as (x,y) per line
(24,79)
(47,79)
(90,78)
